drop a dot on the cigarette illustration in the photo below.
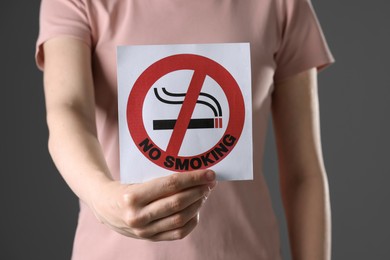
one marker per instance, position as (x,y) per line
(195,123)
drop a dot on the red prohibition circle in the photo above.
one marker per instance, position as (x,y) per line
(200,65)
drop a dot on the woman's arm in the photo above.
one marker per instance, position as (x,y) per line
(162,209)
(303,178)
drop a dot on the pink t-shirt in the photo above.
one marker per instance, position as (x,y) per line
(238,221)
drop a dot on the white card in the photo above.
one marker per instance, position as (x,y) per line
(185,107)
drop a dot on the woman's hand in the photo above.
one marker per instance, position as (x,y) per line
(162,209)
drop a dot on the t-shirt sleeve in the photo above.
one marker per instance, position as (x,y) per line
(61,18)
(303,45)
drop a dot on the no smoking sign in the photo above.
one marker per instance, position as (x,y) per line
(183,108)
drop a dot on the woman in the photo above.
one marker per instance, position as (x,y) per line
(76,50)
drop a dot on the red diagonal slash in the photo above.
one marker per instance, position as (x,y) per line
(185,113)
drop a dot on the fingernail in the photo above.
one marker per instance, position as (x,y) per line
(210,175)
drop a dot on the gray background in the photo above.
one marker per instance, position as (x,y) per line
(38,212)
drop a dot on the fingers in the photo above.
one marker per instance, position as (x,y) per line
(177,233)
(171,205)
(162,209)
(163,187)
(173,222)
